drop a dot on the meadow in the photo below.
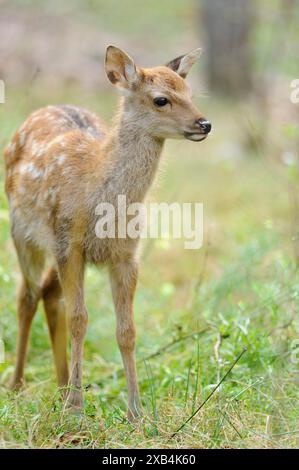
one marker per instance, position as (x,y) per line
(196,311)
(228,310)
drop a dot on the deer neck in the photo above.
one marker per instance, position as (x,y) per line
(135,154)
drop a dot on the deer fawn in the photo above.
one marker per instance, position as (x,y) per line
(59,165)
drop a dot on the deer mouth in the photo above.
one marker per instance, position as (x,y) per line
(195,136)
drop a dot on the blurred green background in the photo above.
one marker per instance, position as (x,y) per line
(240,290)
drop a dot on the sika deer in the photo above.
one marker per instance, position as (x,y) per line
(59,165)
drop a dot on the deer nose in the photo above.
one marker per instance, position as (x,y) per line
(204,125)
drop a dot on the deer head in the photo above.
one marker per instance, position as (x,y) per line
(158,99)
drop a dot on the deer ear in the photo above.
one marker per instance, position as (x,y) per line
(183,64)
(120,68)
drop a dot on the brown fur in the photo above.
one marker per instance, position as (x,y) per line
(59,165)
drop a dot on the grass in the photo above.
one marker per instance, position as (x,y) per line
(195,312)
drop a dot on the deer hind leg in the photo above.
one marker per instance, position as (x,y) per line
(123,278)
(31,262)
(56,318)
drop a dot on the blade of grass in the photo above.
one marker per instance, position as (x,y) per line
(188,382)
(196,377)
(210,395)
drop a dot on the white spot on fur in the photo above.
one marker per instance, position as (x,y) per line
(37,149)
(61,159)
(58,140)
(37,173)
(24,168)
(30,169)
(22,138)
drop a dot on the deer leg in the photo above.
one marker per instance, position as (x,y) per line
(56,318)
(123,277)
(31,262)
(71,274)
(26,307)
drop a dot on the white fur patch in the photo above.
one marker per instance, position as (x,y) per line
(22,138)
(25,167)
(130,72)
(37,173)
(57,140)
(30,169)
(38,149)
(61,159)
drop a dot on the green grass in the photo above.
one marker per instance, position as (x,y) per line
(239,291)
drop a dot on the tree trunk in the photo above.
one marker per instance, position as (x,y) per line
(227,24)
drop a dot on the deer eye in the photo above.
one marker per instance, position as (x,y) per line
(160,101)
